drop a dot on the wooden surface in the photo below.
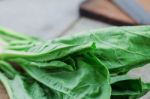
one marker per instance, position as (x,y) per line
(3,94)
(145,4)
(106,11)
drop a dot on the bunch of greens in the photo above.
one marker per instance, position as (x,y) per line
(92,65)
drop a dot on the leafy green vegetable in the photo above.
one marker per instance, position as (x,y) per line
(92,65)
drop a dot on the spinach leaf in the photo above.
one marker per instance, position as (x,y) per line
(92,65)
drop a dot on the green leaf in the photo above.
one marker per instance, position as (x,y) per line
(125,87)
(82,66)
(8,69)
(14,87)
(90,80)
(119,48)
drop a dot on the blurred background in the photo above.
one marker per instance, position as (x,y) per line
(48,19)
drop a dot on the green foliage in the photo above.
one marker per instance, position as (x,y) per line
(92,65)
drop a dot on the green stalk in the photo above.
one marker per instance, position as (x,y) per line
(8,69)
(12,34)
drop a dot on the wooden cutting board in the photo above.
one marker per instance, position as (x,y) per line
(3,94)
(107,11)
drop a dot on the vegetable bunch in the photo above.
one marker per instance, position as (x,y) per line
(92,65)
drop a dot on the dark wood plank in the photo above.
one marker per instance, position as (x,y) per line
(3,94)
(105,10)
